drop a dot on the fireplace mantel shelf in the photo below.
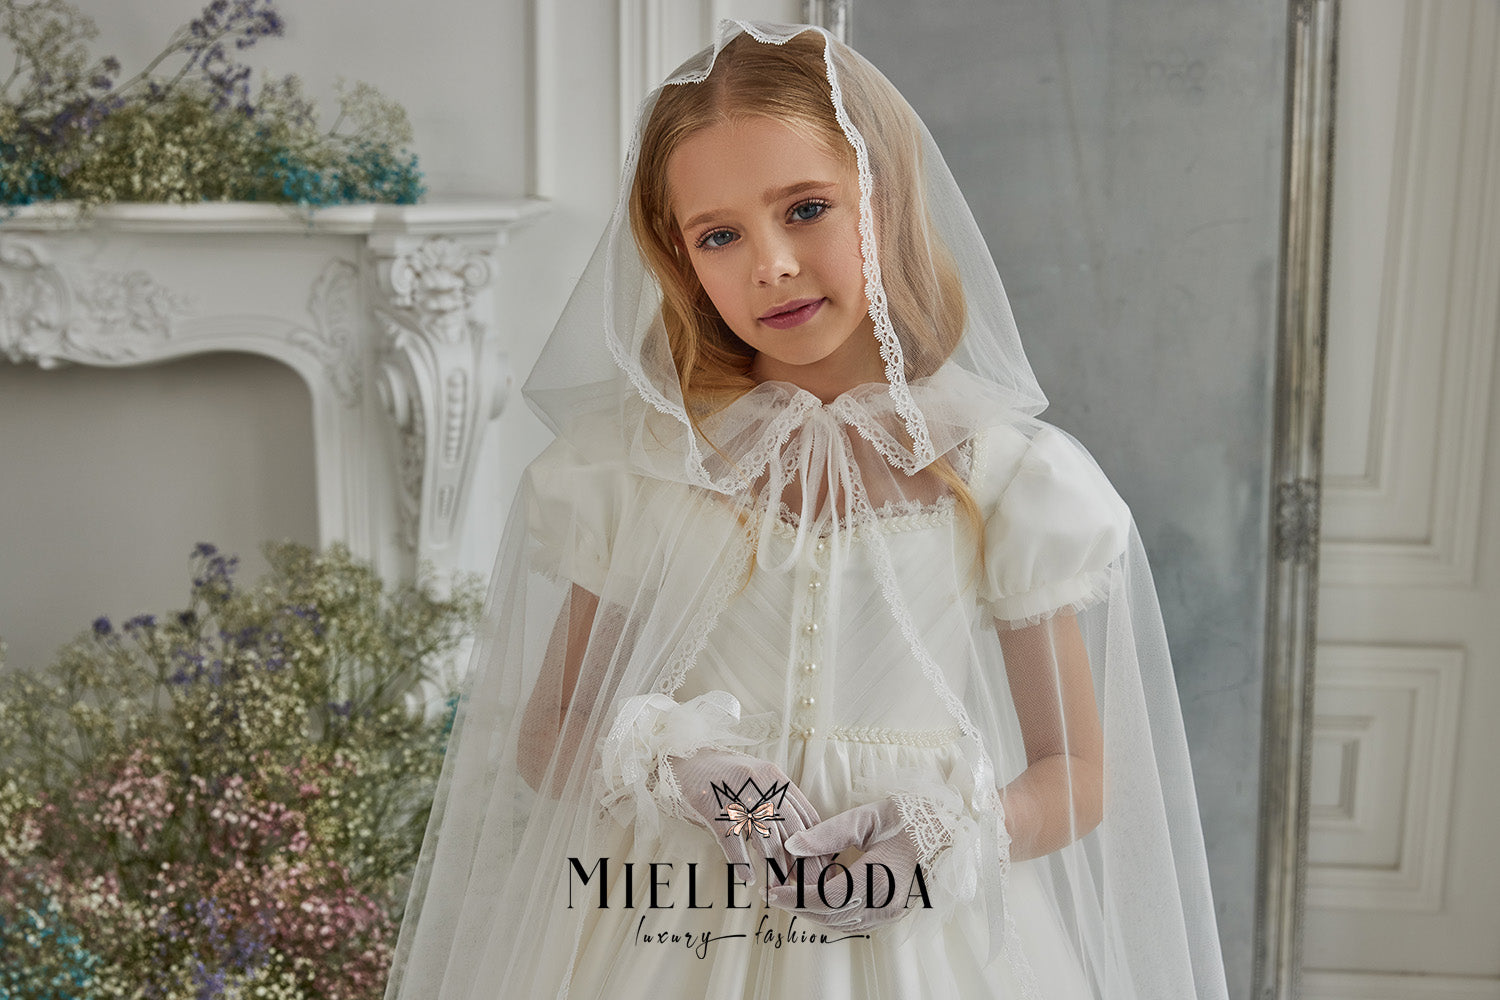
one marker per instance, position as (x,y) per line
(387,312)
(450,216)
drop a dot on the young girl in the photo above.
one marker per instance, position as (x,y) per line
(816,665)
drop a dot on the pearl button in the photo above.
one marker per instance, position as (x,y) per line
(811,732)
(821,546)
(814,584)
(811,628)
(809,667)
(809,701)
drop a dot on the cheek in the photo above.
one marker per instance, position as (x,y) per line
(849,274)
(840,260)
(716,283)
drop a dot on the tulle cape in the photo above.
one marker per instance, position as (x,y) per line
(802,581)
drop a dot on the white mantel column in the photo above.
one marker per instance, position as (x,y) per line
(443,375)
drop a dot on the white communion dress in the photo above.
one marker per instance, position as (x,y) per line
(826,687)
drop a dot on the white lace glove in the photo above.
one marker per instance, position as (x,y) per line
(745,800)
(899,832)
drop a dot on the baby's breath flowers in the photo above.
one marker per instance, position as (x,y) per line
(224,801)
(186,127)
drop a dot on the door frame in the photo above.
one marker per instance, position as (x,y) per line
(1296,468)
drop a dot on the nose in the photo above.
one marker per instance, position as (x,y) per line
(775,259)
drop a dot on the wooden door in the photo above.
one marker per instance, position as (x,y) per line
(1403,891)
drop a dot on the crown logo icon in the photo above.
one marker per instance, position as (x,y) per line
(748,808)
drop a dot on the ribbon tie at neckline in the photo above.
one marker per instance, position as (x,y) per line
(820,443)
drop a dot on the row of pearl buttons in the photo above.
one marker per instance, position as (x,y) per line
(811,630)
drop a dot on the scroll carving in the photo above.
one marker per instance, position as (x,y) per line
(51,317)
(334,338)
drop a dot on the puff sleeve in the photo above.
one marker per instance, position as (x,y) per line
(1052,533)
(573,507)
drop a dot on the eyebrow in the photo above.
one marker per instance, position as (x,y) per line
(770,197)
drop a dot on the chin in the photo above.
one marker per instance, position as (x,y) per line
(802,361)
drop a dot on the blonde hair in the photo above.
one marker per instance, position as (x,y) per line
(788,83)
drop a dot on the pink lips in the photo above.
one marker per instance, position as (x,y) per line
(793,313)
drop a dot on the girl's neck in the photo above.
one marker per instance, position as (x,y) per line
(856,362)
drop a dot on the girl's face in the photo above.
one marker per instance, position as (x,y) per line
(770,222)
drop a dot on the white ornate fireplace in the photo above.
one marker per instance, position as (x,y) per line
(386,312)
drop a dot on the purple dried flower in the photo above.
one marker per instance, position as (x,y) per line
(210,984)
(102,626)
(140,622)
(248,949)
(205,549)
(216,574)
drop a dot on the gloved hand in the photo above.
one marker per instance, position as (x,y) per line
(896,832)
(756,803)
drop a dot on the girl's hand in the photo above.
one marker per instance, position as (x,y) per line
(744,799)
(883,833)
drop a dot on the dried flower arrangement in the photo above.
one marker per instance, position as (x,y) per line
(70,129)
(226,801)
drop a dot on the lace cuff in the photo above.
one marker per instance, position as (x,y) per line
(959,833)
(947,840)
(638,784)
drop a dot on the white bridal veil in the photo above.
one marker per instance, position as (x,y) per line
(916,601)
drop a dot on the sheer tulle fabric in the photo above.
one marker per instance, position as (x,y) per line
(796,581)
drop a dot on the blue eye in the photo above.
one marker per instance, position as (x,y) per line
(716,239)
(809,210)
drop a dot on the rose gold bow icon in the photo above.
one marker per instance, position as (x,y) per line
(754,818)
